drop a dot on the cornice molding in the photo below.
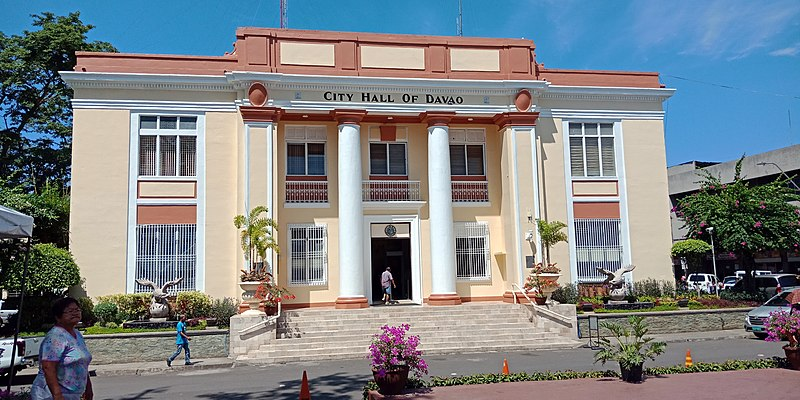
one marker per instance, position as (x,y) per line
(108,80)
(600,114)
(152,105)
(606,94)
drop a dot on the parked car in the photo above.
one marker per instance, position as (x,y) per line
(756,319)
(757,272)
(772,284)
(27,353)
(729,281)
(702,282)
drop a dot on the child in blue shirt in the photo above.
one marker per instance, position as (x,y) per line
(182,341)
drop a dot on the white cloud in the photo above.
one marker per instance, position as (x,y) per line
(719,28)
(786,51)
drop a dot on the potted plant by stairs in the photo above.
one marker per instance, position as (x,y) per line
(255,232)
(393,355)
(542,282)
(630,348)
(786,325)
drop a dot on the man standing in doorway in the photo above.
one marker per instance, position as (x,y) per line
(387,283)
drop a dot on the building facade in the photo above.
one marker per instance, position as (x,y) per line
(432,155)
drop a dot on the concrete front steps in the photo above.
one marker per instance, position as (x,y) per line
(327,334)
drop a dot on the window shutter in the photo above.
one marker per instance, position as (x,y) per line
(188,156)
(592,156)
(476,135)
(458,160)
(147,155)
(475,160)
(168,149)
(295,132)
(607,152)
(576,155)
(397,159)
(458,135)
(377,159)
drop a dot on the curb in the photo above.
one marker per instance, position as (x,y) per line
(151,368)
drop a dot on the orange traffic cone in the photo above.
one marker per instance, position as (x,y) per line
(505,367)
(688,358)
(305,394)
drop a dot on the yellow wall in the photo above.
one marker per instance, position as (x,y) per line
(222,252)
(553,190)
(648,201)
(99,198)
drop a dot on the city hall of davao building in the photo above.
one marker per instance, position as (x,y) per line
(432,155)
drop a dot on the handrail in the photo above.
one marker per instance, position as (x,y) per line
(268,321)
(537,308)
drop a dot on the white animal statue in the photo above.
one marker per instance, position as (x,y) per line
(159,306)
(617,281)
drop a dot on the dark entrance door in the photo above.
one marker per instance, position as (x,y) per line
(394,253)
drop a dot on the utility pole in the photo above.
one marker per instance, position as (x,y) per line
(459,21)
(284,14)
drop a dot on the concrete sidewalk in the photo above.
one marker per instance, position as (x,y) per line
(160,367)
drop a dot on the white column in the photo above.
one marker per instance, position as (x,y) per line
(443,251)
(351,224)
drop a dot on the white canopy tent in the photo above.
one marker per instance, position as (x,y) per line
(16,225)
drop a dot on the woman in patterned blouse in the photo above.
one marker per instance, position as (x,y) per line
(63,358)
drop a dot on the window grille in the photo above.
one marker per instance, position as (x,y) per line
(167,146)
(165,253)
(472,251)
(597,244)
(591,149)
(308,258)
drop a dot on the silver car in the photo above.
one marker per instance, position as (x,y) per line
(756,319)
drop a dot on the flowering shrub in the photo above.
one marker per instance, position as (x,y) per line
(783,325)
(539,268)
(270,293)
(391,348)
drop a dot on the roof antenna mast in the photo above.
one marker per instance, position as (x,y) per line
(459,21)
(284,16)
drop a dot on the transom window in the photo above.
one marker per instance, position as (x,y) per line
(308,255)
(305,150)
(387,159)
(472,251)
(167,146)
(591,149)
(467,152)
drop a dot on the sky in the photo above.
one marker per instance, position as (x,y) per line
(734,63)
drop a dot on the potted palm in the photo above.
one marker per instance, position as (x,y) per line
(255,232)
(630,347)
(550,234)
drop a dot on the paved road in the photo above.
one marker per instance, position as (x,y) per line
(344,379)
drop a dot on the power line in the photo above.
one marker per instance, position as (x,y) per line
(733,87)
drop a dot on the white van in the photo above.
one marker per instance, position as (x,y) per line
(703,282)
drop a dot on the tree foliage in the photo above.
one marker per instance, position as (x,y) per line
(36,124)
(691,249)
(256,235)
(50,271)
(746,219)
(49,207)
(551,234)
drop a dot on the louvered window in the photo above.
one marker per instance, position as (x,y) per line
(467,152)
(472,251)
(308,258)
(305,150)
(591,149)
(167,146)
(387,159)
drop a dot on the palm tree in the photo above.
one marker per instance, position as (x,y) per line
(550,234)
(256,235)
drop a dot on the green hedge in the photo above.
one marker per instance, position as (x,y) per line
(435,381)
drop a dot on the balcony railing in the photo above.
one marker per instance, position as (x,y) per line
(470,191)
(306,192)
(390,191)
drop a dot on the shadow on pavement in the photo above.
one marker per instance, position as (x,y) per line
(334,386)
(144,394)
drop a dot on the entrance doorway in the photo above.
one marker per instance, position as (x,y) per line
(394,253)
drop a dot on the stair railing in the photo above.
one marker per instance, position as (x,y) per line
(269,320)
(539,309)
